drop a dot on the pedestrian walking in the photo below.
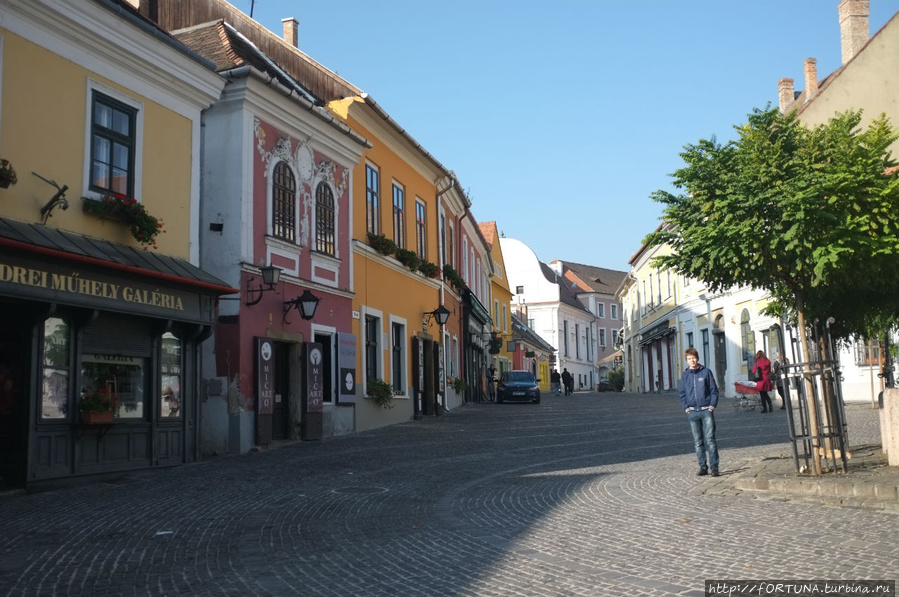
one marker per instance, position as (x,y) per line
(762,372)
(780,374)
(699,397)
(491,382)
(556,380)
(567,381)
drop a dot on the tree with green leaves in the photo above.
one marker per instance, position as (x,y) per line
(807,214)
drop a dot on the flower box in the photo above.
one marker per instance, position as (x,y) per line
(119,208)
(91,418)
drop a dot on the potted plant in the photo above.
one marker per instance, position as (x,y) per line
(616,379)
(381,243)
(7,174)
(453,277)
(98,406)
(459,386)
(144,226)
(380,391)
(429,269)
(408,258)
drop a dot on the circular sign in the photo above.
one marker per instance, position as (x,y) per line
(349,382)
(266,351)
(315,357)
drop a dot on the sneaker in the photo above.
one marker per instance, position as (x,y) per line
(715,472)
(703,472)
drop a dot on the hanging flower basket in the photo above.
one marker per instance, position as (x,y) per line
(7,174)
(118,207)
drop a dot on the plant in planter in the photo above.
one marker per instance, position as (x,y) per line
(429,269)
(381,392)
(98,405)
(453,277)
(144,227)
(7,174)
(616,379)
(458,384)
(408,258)
(381,243)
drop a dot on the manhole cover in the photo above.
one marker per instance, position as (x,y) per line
(360,490)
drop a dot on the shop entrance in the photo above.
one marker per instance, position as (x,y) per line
(281,409)
(15,350)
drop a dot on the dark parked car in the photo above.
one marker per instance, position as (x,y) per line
(518,385)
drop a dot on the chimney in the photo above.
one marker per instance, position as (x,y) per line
(854,30)
(785,93)
(811,78)
(291,31)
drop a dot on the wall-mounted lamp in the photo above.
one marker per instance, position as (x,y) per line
(271,275)
(306,304)
(440,314)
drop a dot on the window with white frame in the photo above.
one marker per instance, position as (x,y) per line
(577,341)
(421,230)
(398,357)
(565,336)
(399,216)
(372,343)
(372,199)
(600,309)
(602,336)
(613,311)
(114,145)
(505,320)
(451,246)
(284,193)
(324,219)
(442,239)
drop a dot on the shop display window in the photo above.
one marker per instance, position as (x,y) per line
(55,360)
(170,399)
(124,377)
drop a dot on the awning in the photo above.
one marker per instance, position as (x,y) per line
(58,244)
(656,332)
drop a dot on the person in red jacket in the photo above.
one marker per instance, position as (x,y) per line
(763,367)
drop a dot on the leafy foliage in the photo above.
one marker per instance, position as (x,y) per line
(382,244)
(806,214)
(380,391)
(98,400)
(144,227)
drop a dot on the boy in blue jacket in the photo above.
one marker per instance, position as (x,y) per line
(699,397)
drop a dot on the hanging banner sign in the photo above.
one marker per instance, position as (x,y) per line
(346,367)
(265,376)
(315,382)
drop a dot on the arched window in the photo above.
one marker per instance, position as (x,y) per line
(284,191)
(324,219)
(748,338)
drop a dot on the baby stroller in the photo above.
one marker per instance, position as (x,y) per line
(747,396)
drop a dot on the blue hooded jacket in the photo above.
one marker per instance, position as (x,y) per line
(698,390)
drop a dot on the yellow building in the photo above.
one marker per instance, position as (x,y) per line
(100,300)
(397,250)
(500,357)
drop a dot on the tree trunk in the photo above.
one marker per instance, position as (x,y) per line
(809,389)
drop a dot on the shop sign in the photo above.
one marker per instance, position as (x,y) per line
(346,365)
(53,282)
(265,377)
(315,381)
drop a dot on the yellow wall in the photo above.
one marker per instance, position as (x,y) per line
(43,129)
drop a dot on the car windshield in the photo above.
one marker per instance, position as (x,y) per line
(519,376)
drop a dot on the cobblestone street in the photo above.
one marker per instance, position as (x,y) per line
(588,495)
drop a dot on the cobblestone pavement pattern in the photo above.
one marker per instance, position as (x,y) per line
(584,495)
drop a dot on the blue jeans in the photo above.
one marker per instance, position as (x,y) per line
(702,424)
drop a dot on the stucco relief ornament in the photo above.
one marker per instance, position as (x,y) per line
(304,221)
(325,172)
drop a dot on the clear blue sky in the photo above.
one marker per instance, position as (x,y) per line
(561,117)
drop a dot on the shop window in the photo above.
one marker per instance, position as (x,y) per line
(324,219)
(170,368)
(123,376)
(55,359)
(284,190)
(372,333)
